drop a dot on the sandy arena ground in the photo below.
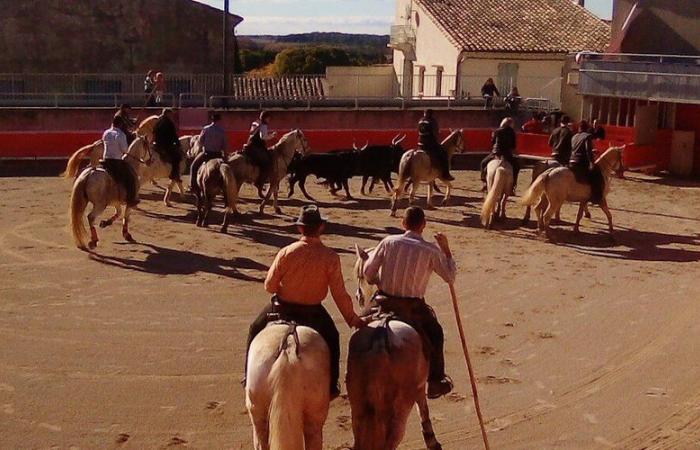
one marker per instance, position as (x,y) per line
(580,344)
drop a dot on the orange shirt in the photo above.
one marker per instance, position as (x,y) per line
(303,272)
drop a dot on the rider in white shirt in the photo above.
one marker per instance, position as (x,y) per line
(115,148)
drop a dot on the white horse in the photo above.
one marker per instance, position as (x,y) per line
(387,375)
(95,150)
(96,186)
(155,167)
(499,183)
(287,395)
(244,171)
(556,186)
(539,168)
(416,166)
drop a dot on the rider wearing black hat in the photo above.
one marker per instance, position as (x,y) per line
(428,141)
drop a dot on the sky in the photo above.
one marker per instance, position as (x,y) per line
(347,16)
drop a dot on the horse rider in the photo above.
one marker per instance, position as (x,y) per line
(582,162)
(401,266)
(115,148)
(299,280)
(504,143)
(167,142)
(256,147)
(428,141)
(127,124)
(560,141)
(213,142)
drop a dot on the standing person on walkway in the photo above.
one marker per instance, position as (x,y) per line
(299,280)
(560,141)
(167,142)
(149,87)
(159,87)
(489,91)
(213,142)
(429,141)
(401,267)
(115,148)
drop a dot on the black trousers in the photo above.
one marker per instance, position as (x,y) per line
(514,162)
(173,155)
(261,157)
(315,317)
(594,177)
(124,175)
(438,156)
(200,159)
(562,159)
(417,313)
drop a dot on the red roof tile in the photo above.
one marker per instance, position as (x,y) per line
(532,26)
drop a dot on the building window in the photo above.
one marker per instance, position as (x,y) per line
(421,80)
(438,81)
(507,77)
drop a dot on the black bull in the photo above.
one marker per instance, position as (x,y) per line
(337,167)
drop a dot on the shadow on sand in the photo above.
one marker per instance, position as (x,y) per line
(166,261)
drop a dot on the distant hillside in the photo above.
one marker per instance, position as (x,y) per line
(259,51)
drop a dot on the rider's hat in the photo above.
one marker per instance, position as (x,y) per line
(310,216)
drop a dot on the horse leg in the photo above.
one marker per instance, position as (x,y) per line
(261,429)
(606,210)
(586,212)
(110,221)
(364,182)
(125,226)
(396,196)
(313,435)
(180,189)
(429,437)
(504,203)
(429,198)
(526,219)
(97,209)
(579,214)
(448,193)
(548,214)
(275,194)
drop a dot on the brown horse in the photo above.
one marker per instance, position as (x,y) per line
(381,404)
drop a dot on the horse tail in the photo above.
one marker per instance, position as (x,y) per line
(494,196)
(74,161)
(534,192)
(286,406)
(78,203)
(230,186)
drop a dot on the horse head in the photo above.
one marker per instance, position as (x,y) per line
(364,288)
(454,143)
(611,162)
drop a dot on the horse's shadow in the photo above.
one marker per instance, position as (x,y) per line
(633,245)
(167,261)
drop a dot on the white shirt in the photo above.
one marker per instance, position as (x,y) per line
(263,130)
(115,144)
(406,263)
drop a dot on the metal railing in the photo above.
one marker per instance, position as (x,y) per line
(666,78)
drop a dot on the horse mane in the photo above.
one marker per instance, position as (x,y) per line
(452,135)
(606,154)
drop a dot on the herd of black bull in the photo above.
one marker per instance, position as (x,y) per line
(337,167)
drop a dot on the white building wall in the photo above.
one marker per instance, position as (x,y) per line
(433,50)
(538,75)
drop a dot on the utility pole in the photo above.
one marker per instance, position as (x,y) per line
(225,37)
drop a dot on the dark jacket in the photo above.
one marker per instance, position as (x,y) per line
(165,133)
(428,131)
(560,141)
(503,141)
(489,89)
(582,150)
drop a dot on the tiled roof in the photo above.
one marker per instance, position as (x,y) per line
(286,88)
(548,26)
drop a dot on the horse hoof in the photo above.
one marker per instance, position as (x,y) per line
(105,223)
(129,238)
(278,210)
(587,215)
(92,245)
(168,204)
(224,229)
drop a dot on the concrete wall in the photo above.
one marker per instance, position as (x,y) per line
(538,74)
(373,81)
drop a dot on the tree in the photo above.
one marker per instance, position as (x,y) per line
(310,60)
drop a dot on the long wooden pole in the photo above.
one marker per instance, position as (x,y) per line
(472,378)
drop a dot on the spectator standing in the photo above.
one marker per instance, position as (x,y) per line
(159,87)
(149,86)
(489,91)
(513,100)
